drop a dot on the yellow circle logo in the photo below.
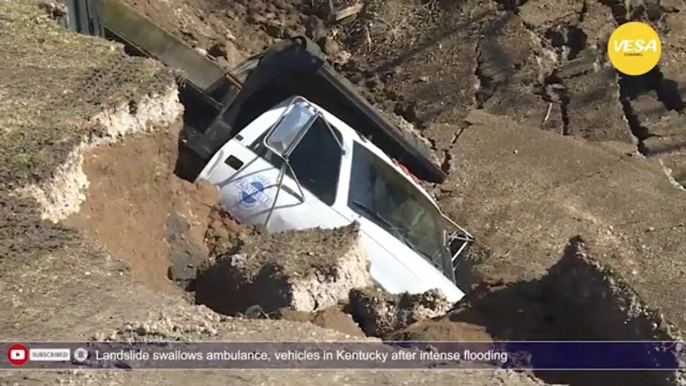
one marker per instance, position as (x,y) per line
(634,48)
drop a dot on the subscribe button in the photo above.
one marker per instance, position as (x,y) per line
(18,354)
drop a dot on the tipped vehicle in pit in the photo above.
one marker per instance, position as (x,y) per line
(291,144)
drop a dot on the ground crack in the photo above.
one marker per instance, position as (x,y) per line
(618,8)
(511,5)
(583,12)
(564,110)
(638,131)
(555,92)
(673,181)
(631,87)
(447,160)
(483,81)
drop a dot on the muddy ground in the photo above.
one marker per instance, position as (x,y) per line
(559,145)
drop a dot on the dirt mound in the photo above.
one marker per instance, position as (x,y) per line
(591,301)
(508,311)
(441,330)
(578,299)
(304,270)
(608,301)
(380,313)
(333,318)
(224,233)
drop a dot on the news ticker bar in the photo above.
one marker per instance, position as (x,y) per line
(564,355)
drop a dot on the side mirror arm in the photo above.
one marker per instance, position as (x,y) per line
(282,173)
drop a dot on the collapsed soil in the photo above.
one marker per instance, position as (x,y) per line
(307,270)
(294,252)
(380,314)
(491,171)
(578,299)
(141,212)
(49,97)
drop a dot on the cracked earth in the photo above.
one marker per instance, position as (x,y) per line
(541,137)
(569,146)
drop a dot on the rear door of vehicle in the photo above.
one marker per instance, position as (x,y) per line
(395,265)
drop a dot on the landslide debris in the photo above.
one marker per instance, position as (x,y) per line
(315,276)
(380,313)
(47,305)
(306,270)
(141,212)
(579,298)
(334,318)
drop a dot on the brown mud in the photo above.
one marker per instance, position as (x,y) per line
(141,212)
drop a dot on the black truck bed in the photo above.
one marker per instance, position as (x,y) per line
(298,67)
(219,106)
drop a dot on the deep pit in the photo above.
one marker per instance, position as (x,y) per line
(579,299)
(141,212)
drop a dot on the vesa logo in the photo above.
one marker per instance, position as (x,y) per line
(634,48)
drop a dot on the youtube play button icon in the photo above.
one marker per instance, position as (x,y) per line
(17,354)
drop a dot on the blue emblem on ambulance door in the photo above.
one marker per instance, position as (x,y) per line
(251,192)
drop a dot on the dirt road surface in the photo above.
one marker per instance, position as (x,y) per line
(523,190)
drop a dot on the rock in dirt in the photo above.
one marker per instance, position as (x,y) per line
(380,313)
(226,50)
(185,228)
(184,256)
(303,270)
